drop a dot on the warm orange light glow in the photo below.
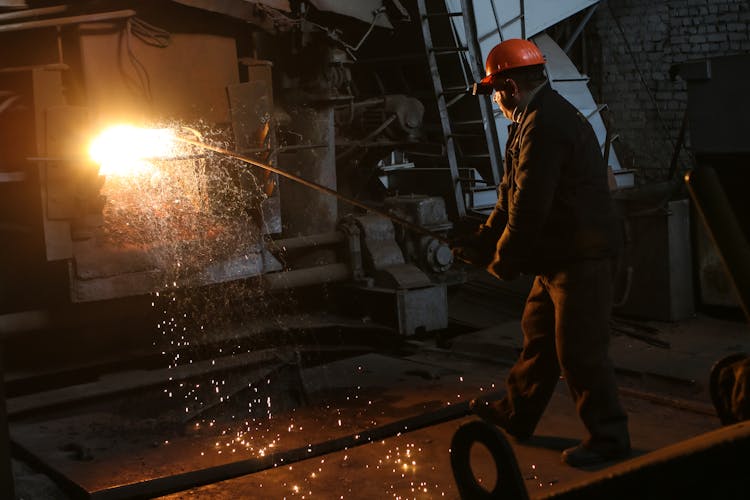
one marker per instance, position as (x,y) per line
(125,150)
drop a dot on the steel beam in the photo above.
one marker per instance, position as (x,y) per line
(579,29)
(63,21)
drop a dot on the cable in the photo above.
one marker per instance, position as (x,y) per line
(150,34)
(140,69)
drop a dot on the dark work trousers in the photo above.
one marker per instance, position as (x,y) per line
(566,328)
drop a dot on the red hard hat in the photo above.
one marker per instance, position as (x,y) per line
(512,53)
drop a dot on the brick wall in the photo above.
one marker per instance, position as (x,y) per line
(631,46)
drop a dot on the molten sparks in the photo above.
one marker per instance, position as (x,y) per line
(125,150)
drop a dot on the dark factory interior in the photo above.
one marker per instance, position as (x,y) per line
(364,249)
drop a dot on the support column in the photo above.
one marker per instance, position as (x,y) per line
(304,210)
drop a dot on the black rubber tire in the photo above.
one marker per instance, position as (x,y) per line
(509,485)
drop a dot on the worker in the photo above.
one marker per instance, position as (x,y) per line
(554,219)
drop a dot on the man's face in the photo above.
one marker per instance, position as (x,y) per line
(506,96)
(504,102)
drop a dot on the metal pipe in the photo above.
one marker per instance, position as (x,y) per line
(63,21)
(26,13)
(375,101)
(318,275)
(313,240)
(318,187)
(726,233)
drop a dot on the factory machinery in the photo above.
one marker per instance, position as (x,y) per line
(171,165)
(150,149)
(274,85)
(323,93)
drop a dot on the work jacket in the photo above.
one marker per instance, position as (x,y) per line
(554,205)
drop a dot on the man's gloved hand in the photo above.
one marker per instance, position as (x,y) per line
(477,248)
(470,254)
(500,268)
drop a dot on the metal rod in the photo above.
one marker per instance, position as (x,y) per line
(369,136)
(579,29)
(313,240)
(497,20)
(62,21)
(314,185)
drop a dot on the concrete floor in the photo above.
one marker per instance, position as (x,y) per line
(663,390)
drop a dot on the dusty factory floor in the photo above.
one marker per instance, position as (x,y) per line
(376,422)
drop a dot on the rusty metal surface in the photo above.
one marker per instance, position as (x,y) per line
(706,466)
(179,482)
(305,211)
(203,64)
(138,380)
(137,453)
(379,389)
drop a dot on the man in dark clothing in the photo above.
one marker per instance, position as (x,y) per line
(554,218)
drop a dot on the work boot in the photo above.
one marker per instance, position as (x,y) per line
(584,456)
(493,413)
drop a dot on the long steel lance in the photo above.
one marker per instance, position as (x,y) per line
(314,185)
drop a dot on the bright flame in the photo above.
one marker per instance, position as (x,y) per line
(124,150)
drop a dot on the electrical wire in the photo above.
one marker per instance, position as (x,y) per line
(150,34)
(140,70)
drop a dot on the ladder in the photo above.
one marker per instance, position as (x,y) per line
(460,142)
